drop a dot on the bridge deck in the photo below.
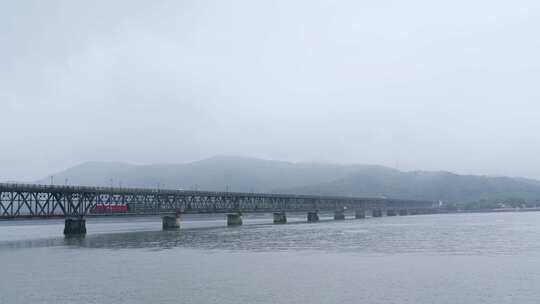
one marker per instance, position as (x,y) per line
(44,201)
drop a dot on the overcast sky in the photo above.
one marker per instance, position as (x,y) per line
(418,84)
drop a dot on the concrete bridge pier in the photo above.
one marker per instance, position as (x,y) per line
(360,213)
(312,216)
(171,222)
(403,212)
(280,217)
(391,212)
(234,219)
(75,226)
(377,213)
(339,214)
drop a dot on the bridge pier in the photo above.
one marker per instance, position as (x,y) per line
(312,216)
(280,217)
(403,212)
(339,214)
(234,219)
(75,226)
(377,213)
(360,213)
(391,212)
(171,222)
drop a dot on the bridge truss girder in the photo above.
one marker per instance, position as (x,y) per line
(38,201)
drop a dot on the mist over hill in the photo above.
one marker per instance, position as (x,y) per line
(257,175)
(444,186)
(217,173)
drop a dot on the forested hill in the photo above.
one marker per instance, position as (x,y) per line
(444,186)
(257,175)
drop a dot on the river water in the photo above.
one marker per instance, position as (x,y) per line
(425,259)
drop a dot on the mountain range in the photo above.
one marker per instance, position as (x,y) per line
(240,174)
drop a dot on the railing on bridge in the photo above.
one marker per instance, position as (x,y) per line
(51,201)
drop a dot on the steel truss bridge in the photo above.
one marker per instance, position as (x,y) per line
(44,201)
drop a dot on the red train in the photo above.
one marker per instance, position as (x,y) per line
(109,209)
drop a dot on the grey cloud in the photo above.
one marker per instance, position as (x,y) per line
(422,84)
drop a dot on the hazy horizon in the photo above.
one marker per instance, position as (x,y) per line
(240,157)
(418,85)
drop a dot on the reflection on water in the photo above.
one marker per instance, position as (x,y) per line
(449,234)
(467,258)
